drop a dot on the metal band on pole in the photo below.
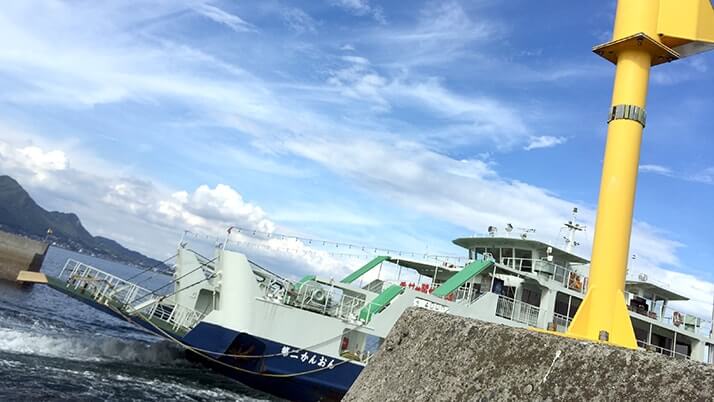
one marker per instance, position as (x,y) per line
(628,112)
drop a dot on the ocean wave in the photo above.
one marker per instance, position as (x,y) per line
(75,346)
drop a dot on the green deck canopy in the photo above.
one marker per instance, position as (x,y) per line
(368,267)
(380,302)
(461,277)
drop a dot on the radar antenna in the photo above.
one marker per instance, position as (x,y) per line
(572,226)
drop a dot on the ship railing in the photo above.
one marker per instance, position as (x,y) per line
(101,285)
(129,297)
(316,297)
(561,322)
(464,295)
(180,318)
(658,349)
(670,316)
(567,277)
(518,311)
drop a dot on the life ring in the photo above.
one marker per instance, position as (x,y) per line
(677,318)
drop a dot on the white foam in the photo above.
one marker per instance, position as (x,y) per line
(86,348)
(10,363)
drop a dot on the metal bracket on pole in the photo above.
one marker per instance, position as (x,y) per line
(628,112)
(660,53)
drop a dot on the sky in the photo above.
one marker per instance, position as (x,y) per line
(391,124)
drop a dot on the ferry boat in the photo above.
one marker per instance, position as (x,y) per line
(308,340)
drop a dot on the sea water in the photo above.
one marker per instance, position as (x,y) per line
(54,348)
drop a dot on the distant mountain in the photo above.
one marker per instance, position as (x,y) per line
(20,214)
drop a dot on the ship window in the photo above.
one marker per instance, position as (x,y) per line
(509,291)
(574,304)
(495,252)
(531,296)
(479,251)
(561,304)
(562,301)
(499,287)
(682,350)
(507,257)
(641,333)
(524,259)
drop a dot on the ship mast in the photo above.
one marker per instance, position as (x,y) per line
(711,330)
(573,227)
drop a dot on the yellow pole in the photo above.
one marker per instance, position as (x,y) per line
(603,314)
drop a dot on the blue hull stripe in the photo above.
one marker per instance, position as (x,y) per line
(329,384)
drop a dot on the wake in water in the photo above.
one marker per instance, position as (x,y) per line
(76,346)
(53,348)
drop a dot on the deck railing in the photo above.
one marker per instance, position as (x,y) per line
(128,297)
(664,351)
(313,296)
(101,285)
(518,311)
(561,322)
(568,277)
(687,322)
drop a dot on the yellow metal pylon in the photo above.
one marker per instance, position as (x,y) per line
(646,33)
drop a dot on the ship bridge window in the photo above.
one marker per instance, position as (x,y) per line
(524,259)
(495,253)
(479,251)
(507,257)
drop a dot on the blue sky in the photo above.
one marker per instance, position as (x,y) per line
(356,120)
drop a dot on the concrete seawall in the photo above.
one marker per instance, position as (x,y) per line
(431,356)
(18,253)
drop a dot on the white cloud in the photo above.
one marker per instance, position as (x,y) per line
(544,141)
(657,169)
(356,60)
(443,33)
(220,16)
(447,20)
(221,204)
(359,81)
(41,160)
(361,8)
(299,21)
(705,176)
(464,119)
(699,64)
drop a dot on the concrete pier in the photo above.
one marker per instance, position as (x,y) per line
(19,253)
(431,356)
